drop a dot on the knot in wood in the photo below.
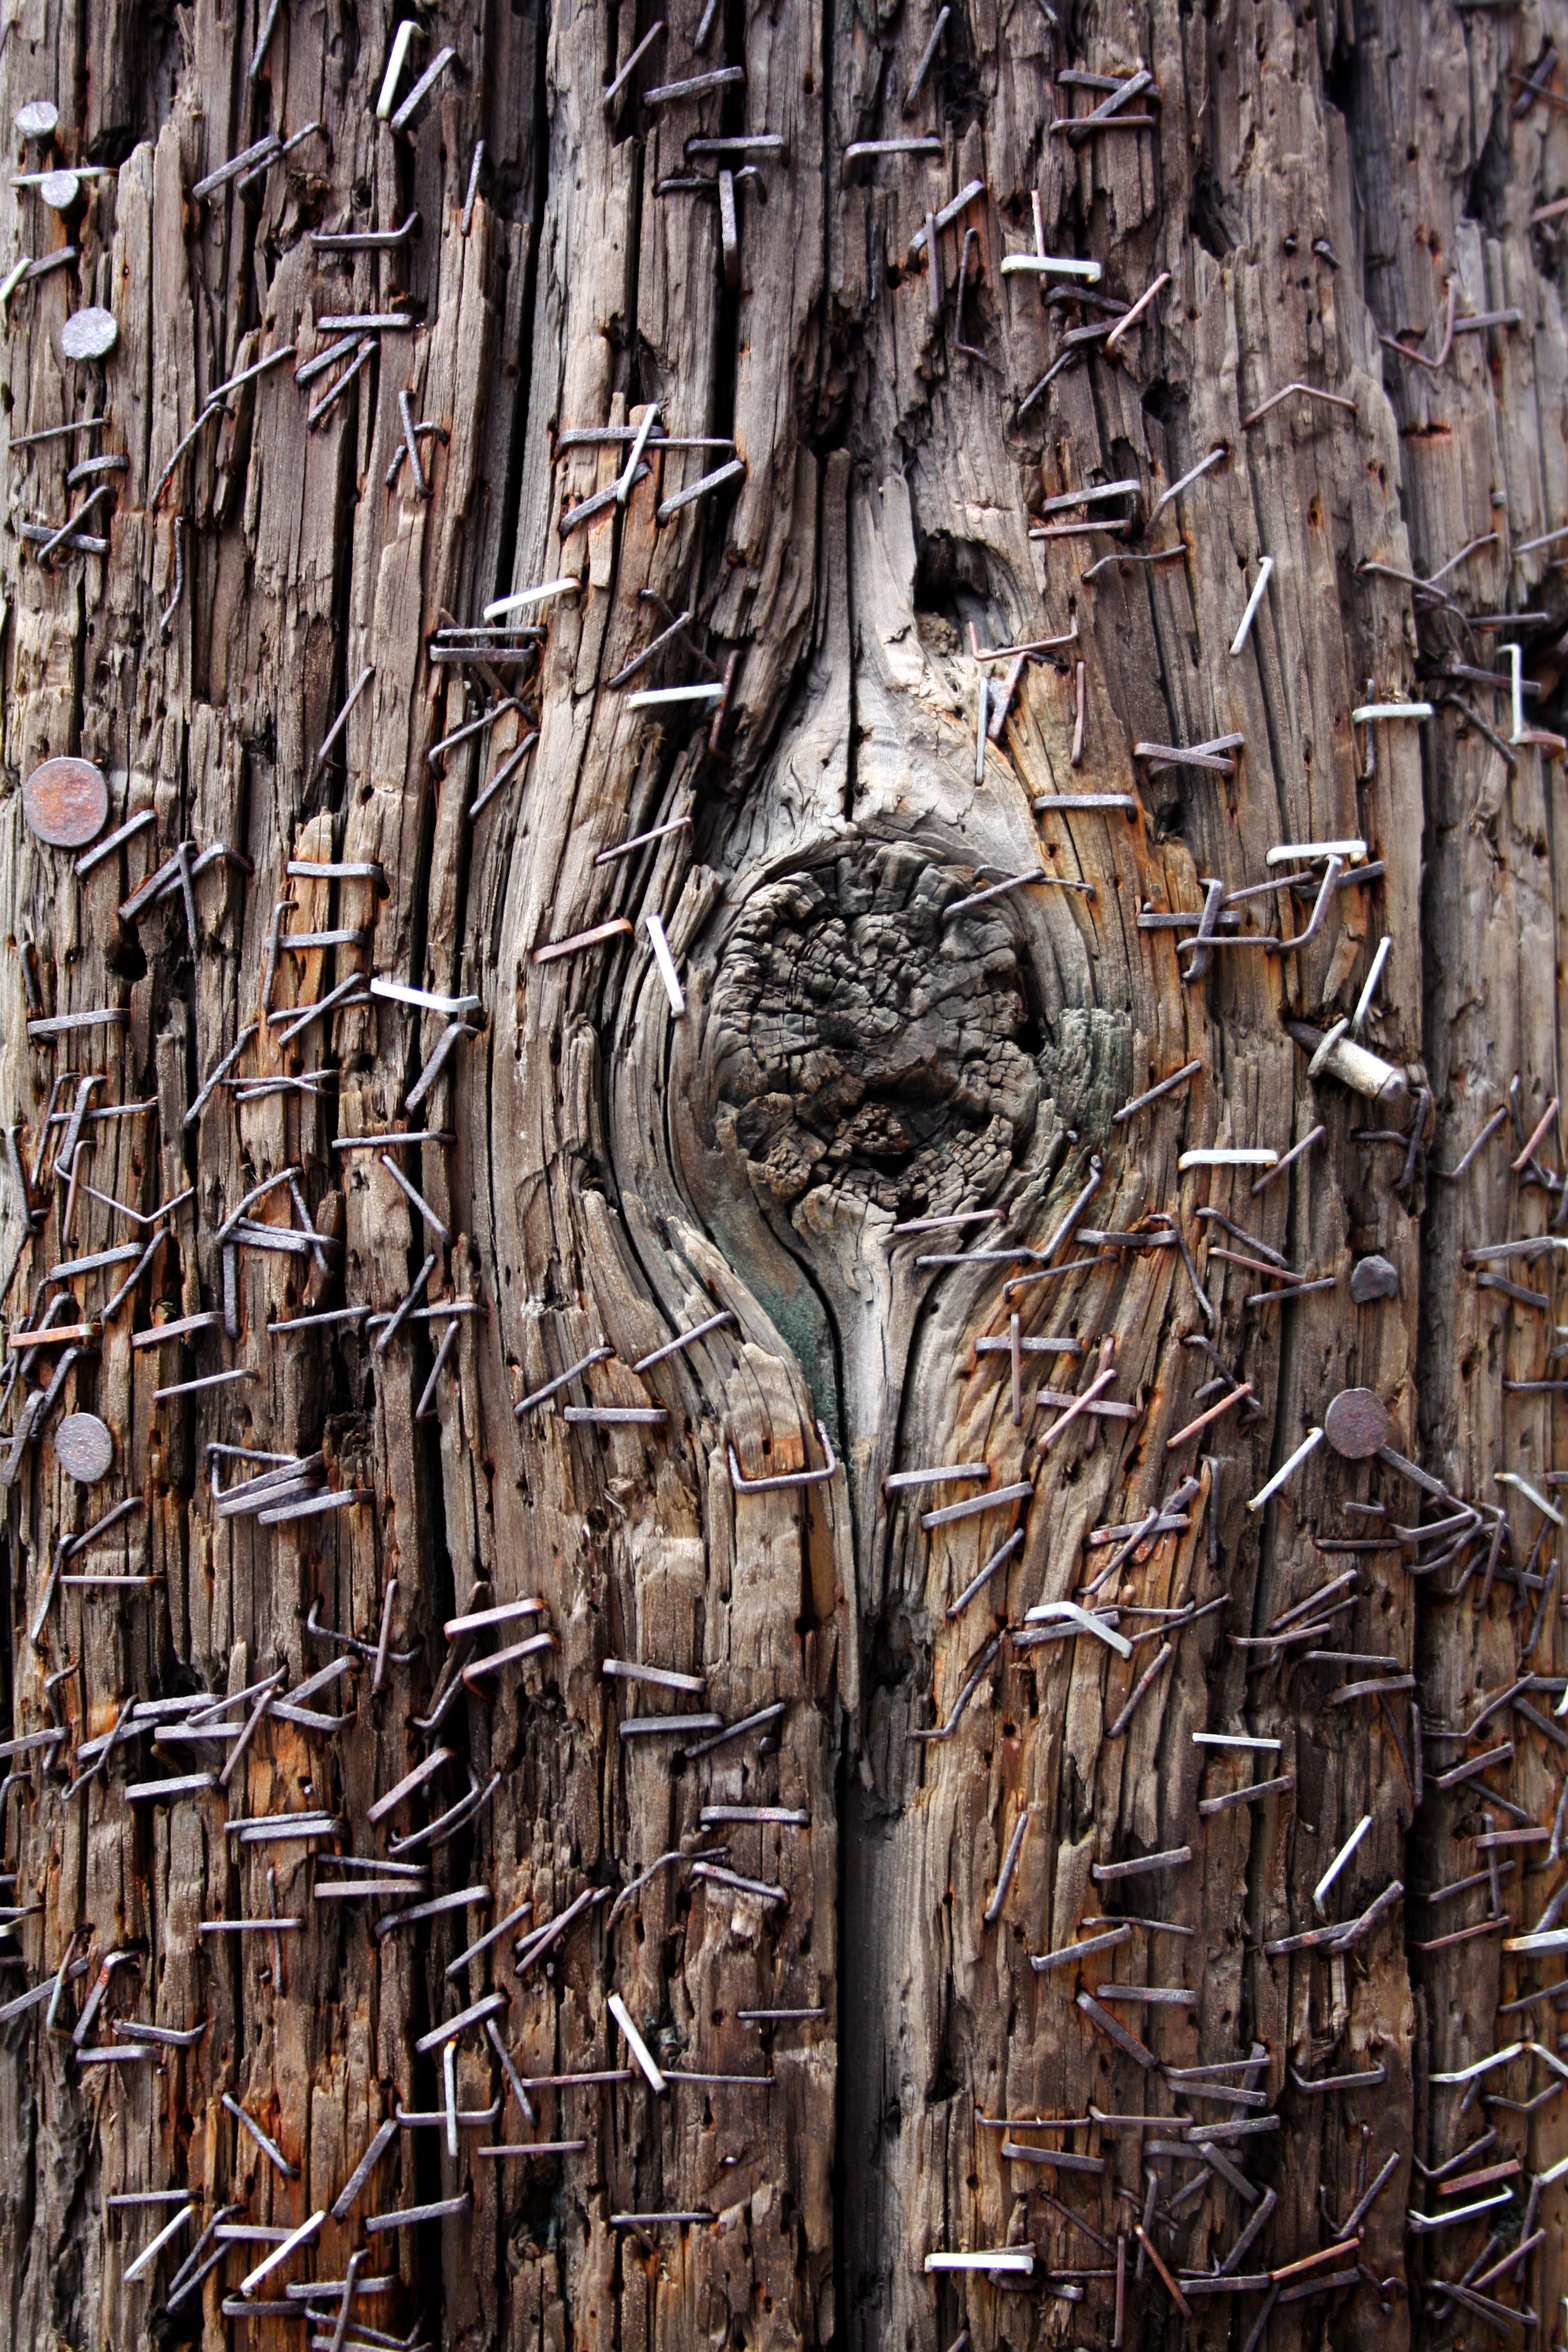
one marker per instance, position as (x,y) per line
(865,1041)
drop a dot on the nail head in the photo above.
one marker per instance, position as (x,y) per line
(1374,1278)
(1356,1424)
(84,1447)
(65,802)
(59,190)
(89,334)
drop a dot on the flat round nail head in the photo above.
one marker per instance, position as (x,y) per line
(84,1447)
(89,334)
(1356,1424)
(37,119)
(66,800)
(60,191)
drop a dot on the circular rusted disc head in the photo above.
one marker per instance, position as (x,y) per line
(89,334)
(59,190)
(66,800)
(1356,1424)
(84,1447)
(37,119)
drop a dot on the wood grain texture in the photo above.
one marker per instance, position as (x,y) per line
(852,1055)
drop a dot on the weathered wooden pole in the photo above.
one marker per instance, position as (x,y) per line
(780,1049)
